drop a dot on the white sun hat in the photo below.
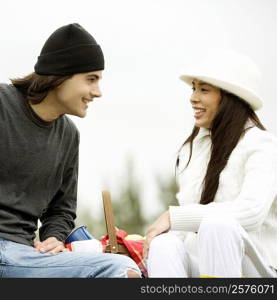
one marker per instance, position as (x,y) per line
(231,71)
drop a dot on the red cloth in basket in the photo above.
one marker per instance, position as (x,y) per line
(134,247)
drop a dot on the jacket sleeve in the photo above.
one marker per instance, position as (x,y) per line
(255,200)
(58,220)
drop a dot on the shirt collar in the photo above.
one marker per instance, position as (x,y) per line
(203,132)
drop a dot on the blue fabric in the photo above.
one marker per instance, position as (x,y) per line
(18,260)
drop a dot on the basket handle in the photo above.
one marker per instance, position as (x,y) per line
(109,218)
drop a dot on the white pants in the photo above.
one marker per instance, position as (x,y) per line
(225,250)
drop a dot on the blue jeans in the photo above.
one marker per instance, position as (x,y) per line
(18,260)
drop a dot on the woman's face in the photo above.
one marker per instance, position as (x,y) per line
(205,101)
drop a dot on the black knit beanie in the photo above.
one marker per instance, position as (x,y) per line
(70,50)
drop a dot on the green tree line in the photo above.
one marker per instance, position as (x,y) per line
(128,205)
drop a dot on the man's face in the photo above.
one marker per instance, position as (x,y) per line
(74,94)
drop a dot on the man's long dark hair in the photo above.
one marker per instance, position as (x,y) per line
(227,128)
(35,87)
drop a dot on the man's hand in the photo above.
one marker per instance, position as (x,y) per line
(162,224)
(51,245)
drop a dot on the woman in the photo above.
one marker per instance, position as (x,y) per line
(226,224)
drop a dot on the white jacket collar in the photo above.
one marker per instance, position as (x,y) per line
(203,132)
(207,132)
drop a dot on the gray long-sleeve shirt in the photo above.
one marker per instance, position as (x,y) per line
(38,171)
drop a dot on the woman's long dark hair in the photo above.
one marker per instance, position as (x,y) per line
(35,87)
(227,128)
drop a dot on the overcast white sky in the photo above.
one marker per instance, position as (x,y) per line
(144,110)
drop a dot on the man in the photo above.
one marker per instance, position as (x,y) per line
(39,161)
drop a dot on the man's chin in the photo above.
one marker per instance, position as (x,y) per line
(82,115)
(79,114)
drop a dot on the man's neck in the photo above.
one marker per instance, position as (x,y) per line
(46,109)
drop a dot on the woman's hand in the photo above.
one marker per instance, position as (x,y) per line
(51,245)
(162,224)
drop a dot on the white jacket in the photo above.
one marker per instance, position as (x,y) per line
(247,190)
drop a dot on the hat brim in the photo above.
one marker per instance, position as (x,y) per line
(248,96)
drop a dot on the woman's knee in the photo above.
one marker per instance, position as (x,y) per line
(166,242)
(163,239)
(218,224)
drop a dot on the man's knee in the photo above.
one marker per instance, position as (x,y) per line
(133,274)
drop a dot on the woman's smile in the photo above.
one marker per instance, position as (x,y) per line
(198,112)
